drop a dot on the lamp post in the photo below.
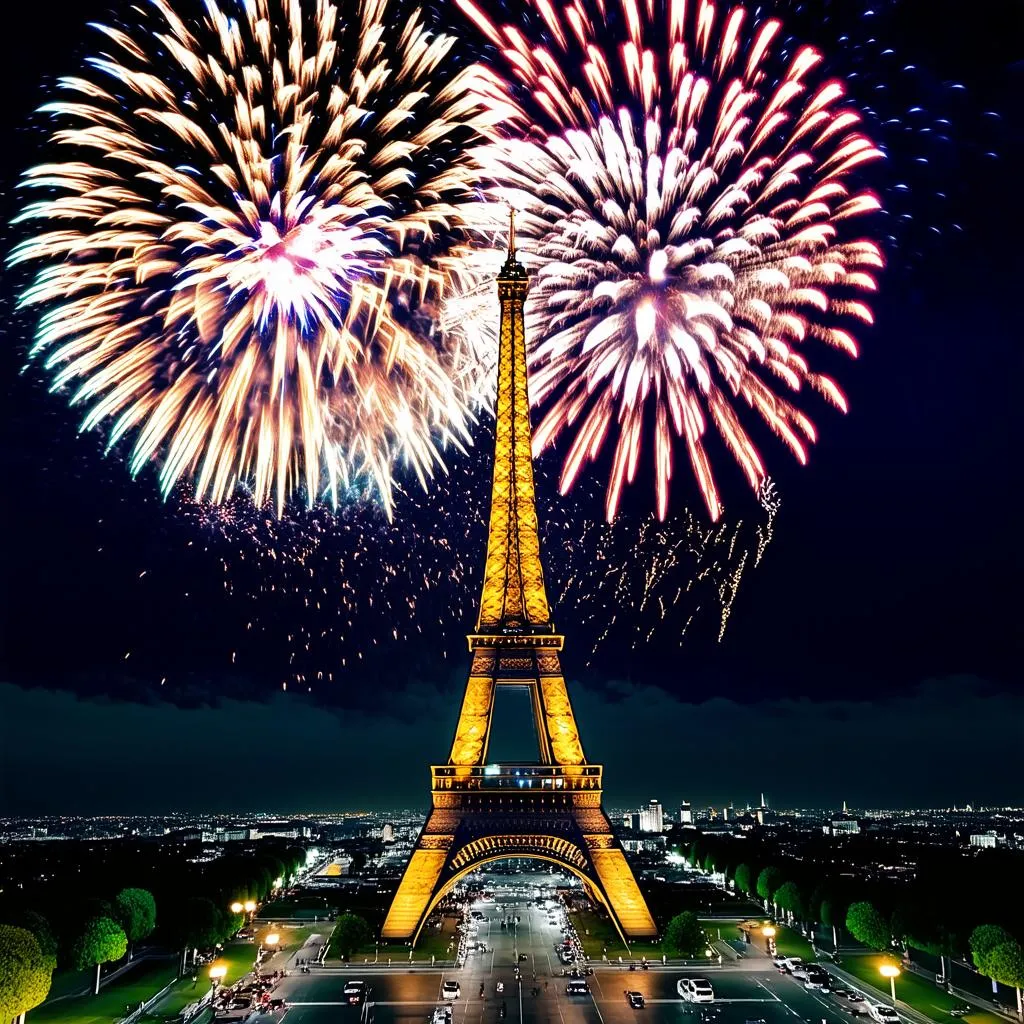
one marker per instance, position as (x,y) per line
(892,972)
(248,907)
(769,939)
(217,972)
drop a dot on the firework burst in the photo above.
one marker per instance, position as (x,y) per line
(685,200)
(245,235)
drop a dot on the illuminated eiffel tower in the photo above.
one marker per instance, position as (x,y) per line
(549,809)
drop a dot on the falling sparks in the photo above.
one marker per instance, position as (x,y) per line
(685,207)
(242,239)
(354,586)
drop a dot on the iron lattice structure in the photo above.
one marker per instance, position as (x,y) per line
(549,809)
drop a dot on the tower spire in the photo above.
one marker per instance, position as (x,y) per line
(513,598)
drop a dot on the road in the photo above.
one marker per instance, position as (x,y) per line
(748,991)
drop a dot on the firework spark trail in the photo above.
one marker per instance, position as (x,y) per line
(243,238)
(684,203)
(359,582)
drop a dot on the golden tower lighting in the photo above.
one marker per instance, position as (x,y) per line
(549,809)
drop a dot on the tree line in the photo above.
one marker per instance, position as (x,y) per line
(953,907)
(77,934)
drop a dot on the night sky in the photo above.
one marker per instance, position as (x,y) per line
(874,655)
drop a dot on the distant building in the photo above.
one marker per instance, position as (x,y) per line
(652,818)
(842,824)
(725,814)
(986,840)
(387,833)
(685,813)
(227,835)
(631,820)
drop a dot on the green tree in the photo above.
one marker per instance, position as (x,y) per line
(99,942)
(25,971)
(867,925)
(789,898)
(684,936)
(135,909)
(768,882)
(745,878)
(1006,964)
(351,932)
(983,940)
(709,863)
(39,926)
(198,924)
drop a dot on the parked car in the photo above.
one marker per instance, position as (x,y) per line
(577,988)
(451,990)
(816,977)
(799,970)
(791,963)
(635,999)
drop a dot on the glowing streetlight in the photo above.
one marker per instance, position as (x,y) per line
(237,908)
(769,938)
(892,972)
(249,906)
(217,972)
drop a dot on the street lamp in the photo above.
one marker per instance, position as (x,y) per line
(892,972)
(217,972)
(769,938)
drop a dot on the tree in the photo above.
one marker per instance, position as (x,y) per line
(350,933)
(135,909)
(358,862)
(39,926)
(768,881)
(789,898)
(99,942)
(684,936)
(745,878)
(25,971)
(198,924)
(866,924)
(1006,964)
(984,939)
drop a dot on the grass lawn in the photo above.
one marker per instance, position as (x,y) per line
(715,929)
(132,988)
(306,907)
(791,943)
(913,990)
(597,933)
(432,943)
(66,983)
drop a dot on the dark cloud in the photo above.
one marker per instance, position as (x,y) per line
(62,753)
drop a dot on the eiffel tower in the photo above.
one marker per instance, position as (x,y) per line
(549,809)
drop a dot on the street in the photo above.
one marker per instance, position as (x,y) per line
(749,990)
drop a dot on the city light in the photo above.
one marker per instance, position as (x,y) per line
(217,972)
